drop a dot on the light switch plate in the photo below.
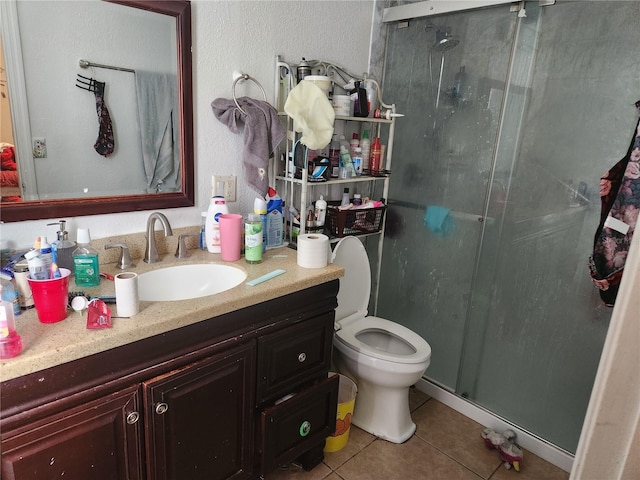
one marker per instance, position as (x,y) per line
(225,185)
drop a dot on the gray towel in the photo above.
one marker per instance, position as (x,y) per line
(157,115)
(263,132)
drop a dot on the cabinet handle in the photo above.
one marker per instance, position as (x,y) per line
(302,357)
(161,408)
(133,417)
(305,428)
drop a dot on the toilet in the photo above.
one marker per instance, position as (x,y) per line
(384,358)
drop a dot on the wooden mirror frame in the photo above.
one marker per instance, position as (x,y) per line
(45,209)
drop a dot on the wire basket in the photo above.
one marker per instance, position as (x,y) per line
(340,223)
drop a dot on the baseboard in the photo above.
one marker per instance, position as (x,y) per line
(536,445)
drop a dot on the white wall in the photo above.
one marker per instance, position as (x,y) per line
(230,36)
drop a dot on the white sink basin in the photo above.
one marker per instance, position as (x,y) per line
(183,282)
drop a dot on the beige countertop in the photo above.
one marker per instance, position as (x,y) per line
(47,345)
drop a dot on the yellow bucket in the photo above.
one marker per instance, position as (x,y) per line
(347,390)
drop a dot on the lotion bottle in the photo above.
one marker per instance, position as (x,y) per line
(320,211)
(217,207)
(86,266)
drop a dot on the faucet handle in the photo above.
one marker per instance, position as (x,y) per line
(125,257)
(182,251)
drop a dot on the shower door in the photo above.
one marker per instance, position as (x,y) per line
(510,122)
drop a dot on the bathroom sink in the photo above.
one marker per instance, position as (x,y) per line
(183,282)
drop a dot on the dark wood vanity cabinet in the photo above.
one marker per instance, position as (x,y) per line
(231,397)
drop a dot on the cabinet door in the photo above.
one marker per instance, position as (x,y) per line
(99,440)
(199,419)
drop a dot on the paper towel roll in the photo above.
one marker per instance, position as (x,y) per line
(127,301)
(313,250)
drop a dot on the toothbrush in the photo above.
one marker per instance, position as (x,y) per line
(55,271)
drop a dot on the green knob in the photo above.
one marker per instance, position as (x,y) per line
(305,428)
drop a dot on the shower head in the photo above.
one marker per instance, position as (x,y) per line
(444,39)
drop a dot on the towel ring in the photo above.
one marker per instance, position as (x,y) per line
(245,76)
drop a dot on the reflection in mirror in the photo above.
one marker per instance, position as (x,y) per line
(114,135)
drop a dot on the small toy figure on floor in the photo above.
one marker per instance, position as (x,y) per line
(505,444)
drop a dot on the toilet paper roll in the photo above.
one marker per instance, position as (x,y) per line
(127,302)
(313,250)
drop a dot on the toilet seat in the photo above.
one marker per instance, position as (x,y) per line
(410,347)
(352,321)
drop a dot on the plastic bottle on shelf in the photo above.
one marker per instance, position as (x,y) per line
(320,211)
(345,198)
(217,207)
(10,341)
(376,154)
(334,155)
(365,145)
(356,160)
(86,266)
(353,144)
(357,199)
(345,162)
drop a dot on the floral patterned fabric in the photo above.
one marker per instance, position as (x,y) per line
(620,197)
(105,143)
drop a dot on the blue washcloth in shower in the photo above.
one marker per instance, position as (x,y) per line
(438,220)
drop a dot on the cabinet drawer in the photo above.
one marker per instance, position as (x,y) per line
(296,425)
(292,356)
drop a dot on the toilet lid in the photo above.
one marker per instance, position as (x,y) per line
(355,286)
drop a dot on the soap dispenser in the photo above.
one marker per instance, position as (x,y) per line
(64,247)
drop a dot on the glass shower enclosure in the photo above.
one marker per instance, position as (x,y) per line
(511,120)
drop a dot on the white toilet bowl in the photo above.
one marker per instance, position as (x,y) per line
(384,358)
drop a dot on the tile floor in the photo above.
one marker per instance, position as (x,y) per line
(446,446)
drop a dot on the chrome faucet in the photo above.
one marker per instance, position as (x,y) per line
(151,251)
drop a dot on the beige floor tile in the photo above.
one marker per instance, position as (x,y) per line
(456,436)
(295,472)
(416,398)
(414,459)
(532,468)
(358,440)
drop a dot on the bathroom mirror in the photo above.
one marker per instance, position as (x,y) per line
(109,44)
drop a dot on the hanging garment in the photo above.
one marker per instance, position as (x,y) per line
(105,143)
(620,197)
(157,96)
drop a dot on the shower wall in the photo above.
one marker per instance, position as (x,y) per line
(494,199)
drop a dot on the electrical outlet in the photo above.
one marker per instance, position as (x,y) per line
(39,147)
(225,185)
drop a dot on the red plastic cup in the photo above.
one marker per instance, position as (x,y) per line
(230,236)
(51,297)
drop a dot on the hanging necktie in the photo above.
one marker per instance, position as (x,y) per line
(105,143)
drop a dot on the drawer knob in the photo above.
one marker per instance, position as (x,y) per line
(305,428)
(133,417)
(302,357)
(161,408)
